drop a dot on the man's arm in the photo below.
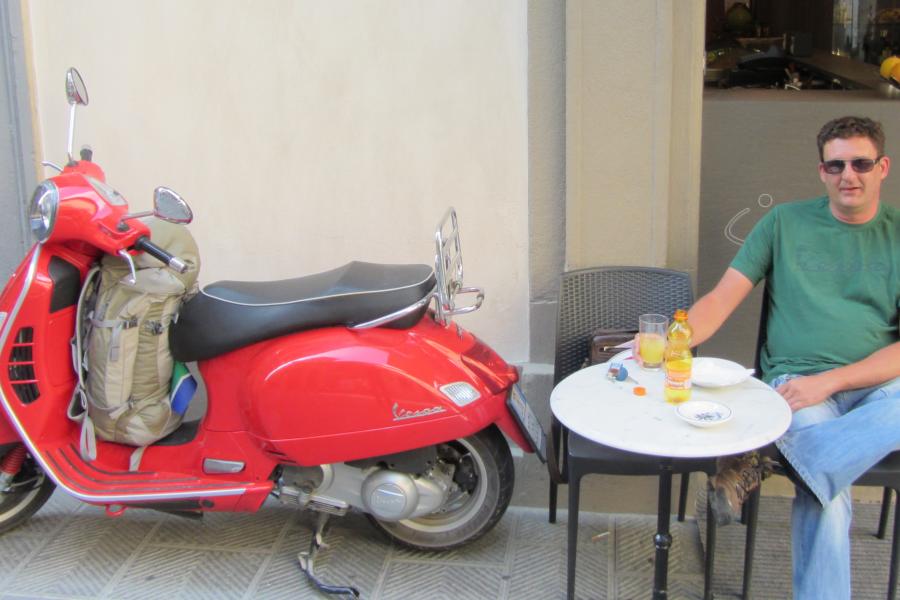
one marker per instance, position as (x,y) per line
(877,368)
(710,311)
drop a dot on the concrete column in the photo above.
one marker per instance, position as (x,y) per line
(634,76)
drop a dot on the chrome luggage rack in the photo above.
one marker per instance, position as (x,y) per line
(448,270)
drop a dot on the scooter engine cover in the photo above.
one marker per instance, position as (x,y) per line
(390,495)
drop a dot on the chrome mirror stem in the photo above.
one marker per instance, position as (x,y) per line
(71,139)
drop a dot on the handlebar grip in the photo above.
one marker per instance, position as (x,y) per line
(144,244)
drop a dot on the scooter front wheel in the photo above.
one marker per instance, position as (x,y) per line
(25,494)
(485,478)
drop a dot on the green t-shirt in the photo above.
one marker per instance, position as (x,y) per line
(834,288)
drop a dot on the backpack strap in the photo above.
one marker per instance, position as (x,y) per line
(134,463)
(117,325)
(79,403)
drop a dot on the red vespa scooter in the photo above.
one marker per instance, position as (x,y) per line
(338,391)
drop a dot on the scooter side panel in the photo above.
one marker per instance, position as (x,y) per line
(8,433)
(335,394)
(37,374)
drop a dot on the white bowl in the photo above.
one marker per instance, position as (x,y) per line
(718,372)
(703,413)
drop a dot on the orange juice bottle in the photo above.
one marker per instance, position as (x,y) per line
(678,360)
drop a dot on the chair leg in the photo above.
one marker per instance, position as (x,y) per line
(895,554)
(554,492)
(682,495)
(752,513)
(885,512)
(574,492)
(709,566)
(555,436)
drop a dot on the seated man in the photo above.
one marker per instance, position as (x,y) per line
(832,269)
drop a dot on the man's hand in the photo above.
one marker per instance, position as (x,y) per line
(806,391)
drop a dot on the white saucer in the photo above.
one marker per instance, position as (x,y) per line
(703,413)
(718,372)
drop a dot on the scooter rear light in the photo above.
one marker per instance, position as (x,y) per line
(496,374)
(461,393)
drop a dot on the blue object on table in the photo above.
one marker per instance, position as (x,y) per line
(618,372)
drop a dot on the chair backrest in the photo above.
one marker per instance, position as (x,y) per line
(761,335)
(611,298)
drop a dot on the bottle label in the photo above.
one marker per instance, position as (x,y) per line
(678,379)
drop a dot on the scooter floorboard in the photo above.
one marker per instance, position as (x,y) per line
(100,482)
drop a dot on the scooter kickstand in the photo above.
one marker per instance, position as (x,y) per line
(308,558)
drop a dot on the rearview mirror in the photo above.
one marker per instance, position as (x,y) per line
(76,91)
(169,206)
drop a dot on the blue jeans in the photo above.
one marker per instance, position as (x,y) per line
(830,445)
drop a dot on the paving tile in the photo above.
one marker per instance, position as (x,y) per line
(437,581)
(224,530)
(282,579)
(71,551)
(82,557)
(355,556)
(187,574)
(15,553)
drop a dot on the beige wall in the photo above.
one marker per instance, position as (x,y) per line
(308,134)
(634,85)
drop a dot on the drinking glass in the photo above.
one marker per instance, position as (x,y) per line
(652,342)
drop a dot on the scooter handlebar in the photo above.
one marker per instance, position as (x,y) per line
(144,244)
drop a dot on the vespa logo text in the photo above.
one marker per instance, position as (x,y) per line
(401,414)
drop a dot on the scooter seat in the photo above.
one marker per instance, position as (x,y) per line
(227,315)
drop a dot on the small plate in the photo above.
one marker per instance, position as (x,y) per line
(718,372)
(703,413)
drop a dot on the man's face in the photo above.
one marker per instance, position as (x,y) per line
(853,197)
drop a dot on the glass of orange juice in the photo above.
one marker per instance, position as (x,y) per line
(652,340)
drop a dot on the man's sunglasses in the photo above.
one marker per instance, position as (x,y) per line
(860,165)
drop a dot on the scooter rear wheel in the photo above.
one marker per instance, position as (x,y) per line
(485,464)
(28,492)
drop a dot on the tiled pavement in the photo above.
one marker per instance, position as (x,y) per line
(73,551)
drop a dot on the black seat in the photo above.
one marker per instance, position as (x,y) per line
(227,315)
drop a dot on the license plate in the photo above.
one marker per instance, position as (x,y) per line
(527,421)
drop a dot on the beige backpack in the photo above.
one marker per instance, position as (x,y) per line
(121,350)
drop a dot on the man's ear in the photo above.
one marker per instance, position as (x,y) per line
(885,166)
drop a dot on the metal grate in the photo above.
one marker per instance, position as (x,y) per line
(21,366)
(611,298)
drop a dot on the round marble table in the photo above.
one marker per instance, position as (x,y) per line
(609,413)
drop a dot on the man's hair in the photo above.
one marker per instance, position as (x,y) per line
(848,127)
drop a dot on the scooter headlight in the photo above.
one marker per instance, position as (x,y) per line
(43,209)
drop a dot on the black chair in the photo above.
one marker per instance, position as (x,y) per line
(885,474)
(609,298)
(612,298)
